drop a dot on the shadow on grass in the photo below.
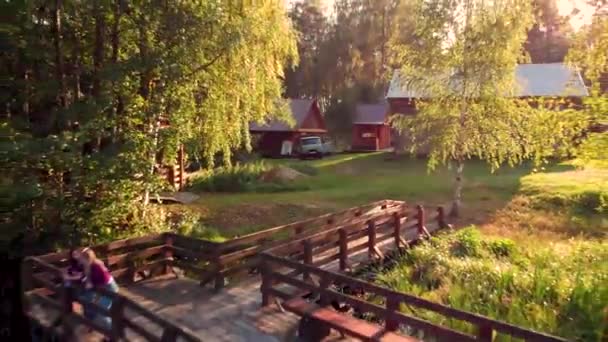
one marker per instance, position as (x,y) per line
(354,179)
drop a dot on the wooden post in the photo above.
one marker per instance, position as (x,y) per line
(392,306)
(266,271)
(343,249)
(441,218)
(421,220)
(397,229)
(485,333)
(169,334)
(323,285)
(219,267)
(131,271)
(371,238)
(118,322)
(307,259)
(168,254)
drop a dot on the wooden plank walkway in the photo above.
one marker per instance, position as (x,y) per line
(233,314)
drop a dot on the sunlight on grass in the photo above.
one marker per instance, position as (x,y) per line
(566,182)
(348,180)
(343,158)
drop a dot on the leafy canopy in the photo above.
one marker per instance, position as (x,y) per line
(590,52)
(462,60)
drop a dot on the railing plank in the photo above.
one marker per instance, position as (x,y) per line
(303,224)
(141,331)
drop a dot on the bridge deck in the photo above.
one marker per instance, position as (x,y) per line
(234,314)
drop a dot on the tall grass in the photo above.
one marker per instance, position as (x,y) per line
(560,289)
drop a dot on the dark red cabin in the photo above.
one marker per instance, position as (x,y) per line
(371,130)
(276,138)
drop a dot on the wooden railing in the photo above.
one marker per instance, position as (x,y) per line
(127,259)
(138,258)
(60,298)
(215,261)
(299,268)
(130,260)
(399,225)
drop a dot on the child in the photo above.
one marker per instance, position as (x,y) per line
(75,272)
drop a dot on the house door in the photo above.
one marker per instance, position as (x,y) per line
(286,148)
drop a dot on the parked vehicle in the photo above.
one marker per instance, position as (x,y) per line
(313,147)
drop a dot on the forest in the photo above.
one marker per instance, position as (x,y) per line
(99,93)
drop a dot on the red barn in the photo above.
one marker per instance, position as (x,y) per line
(371,131)
(276,138)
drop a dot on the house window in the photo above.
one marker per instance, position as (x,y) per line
(368,135)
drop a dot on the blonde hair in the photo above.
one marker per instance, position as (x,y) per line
(89,254)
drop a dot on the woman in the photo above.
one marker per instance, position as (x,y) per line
(97,276)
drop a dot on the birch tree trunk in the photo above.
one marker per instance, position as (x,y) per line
(58,44)
(457,200)
(154,133)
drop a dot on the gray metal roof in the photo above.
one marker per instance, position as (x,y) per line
(371,113)
(299,110)
(550,79)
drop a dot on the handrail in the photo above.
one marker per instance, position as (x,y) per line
(276,266)
(239,254)
(120,303)
(303,223)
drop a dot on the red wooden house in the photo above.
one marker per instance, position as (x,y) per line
(371,130)
(276,138)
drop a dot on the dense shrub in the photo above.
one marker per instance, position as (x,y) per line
(241,178)
(561,290)
(501,247)
(467,243)
(189,223)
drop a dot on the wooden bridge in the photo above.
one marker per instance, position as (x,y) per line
(305,283)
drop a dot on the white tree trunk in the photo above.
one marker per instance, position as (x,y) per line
(457,200)
(155,130)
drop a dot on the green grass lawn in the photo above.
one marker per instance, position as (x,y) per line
(348,180)
(537,255)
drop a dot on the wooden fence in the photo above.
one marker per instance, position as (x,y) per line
(299,268)
(60,299)
(398,225)
(134,259)
(130,260)
(319,281)
(210,261)
(297,255)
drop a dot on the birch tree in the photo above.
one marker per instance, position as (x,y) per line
(461,60)
(590,52)
(89,84)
